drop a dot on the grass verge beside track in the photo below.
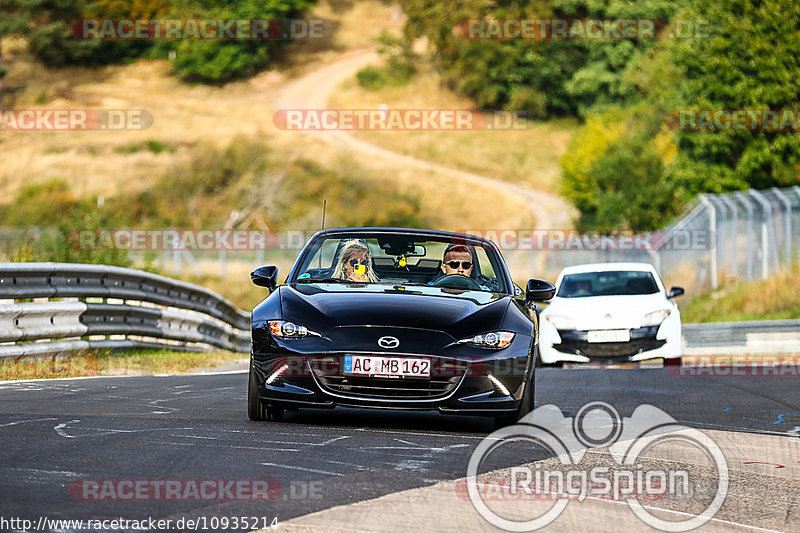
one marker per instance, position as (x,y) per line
(773,299)
(110,363)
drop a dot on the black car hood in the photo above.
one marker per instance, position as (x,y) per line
(457,313)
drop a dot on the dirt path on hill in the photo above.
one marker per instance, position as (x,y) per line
(313,90)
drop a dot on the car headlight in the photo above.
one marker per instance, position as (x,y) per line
(561,322)
(496,340)
(655,318)
(283,329)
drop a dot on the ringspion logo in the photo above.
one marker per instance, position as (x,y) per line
(631,442)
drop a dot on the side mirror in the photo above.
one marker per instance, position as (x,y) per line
(675,291)
(539,290)
(266,276)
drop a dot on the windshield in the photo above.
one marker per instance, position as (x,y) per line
(401,259)
(610,283)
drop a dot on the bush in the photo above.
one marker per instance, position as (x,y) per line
(399,66)
(371,78)
(220,61)
(529,101)
(243,184)
(60,243)
(353,199)
(41,204)
(46,25)
(615,170)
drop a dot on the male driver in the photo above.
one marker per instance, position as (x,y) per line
(457,260)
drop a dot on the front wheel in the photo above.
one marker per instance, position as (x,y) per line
(257,410)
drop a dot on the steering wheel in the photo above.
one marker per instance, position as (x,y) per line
(457,281)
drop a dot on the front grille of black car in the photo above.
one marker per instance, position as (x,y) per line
(642,340)
(445,376)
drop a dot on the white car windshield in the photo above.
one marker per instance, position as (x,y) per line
(610,283)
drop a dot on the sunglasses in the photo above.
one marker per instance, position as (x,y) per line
(354,262)
(466,265)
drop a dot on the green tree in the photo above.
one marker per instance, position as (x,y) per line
(748,60)
(751,62)
(219,61)
(46,25)
(543,77)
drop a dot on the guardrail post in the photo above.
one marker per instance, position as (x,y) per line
(787,222)
(749,207)
(723,228)
(767,250)
(732,234)
(712,223)
(796,190)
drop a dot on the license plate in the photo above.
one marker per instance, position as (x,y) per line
(609,335)
(368,365)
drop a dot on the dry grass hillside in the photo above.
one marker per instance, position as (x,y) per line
(108,163)
(190,118)
(528,155)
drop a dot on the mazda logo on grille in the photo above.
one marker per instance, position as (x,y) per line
(388,342)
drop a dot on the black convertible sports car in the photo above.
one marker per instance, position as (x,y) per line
(395,319)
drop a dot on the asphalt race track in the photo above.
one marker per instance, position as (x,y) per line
(360,470)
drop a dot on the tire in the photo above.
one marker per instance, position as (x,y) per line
(257,410)
(525,405)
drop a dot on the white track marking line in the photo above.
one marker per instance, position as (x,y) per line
(41,380)
(26,421)
(60,429)
(682,513)
(314,470)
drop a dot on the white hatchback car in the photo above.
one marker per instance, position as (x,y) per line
(612,313)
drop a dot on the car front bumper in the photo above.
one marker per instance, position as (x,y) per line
(662,342)
(457,384)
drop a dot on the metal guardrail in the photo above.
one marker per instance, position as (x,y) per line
(764,337)
(162,312)
(156,311)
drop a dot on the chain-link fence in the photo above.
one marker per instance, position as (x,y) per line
(743,235)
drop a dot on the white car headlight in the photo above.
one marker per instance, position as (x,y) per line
(284,329)
(496,340)
(655,318)
(561,322)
